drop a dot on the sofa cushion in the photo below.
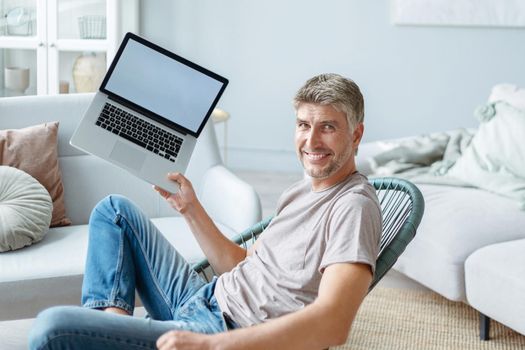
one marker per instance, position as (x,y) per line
(495,158)
(33,274)
(34,150)
(457,222)
(63,251)
(25,209)
(495,284)
(88,179)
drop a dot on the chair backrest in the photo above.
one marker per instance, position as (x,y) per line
(402,207)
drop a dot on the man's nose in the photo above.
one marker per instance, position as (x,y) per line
(313,137)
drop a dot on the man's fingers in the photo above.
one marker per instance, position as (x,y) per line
(161,191)
(162,340)
(166,340)
(174,176)
(171,339)
(177,177)
(182,199)
(172,199)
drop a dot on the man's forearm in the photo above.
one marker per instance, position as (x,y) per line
(221,252)
(322,324)
(311,328)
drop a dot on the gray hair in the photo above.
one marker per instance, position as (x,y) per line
(334,90)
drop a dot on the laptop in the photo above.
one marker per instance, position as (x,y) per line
(149,111)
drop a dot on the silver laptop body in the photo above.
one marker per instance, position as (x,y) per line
(149,111)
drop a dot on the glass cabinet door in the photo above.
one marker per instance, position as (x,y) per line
(18,47)
(80,71)
(18,18)
(18,72)
(81,19)
(56,42)
(78,35)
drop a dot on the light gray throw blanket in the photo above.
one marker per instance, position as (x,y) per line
(425,158)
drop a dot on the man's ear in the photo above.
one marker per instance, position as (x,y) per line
(358,134)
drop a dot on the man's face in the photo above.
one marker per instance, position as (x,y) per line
(324,142)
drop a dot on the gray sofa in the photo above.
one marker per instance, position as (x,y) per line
(468,247)
(50,272)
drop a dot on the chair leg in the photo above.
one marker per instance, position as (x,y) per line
(484,327)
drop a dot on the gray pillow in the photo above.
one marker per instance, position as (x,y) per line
(25,209)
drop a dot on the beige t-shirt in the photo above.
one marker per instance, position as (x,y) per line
(310,231)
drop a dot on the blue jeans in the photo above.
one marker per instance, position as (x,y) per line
(126,252)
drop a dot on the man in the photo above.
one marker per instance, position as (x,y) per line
(298,287)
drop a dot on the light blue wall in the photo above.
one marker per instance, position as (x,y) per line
(414,79)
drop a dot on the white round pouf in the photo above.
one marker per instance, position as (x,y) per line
(25,209)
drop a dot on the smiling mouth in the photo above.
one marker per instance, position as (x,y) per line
(315,155)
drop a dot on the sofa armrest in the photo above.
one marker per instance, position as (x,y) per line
(229,200)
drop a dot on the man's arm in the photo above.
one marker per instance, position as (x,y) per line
(324,323)
(222,253)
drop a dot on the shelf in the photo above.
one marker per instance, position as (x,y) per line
(81,45)
(9,93)
(18,42)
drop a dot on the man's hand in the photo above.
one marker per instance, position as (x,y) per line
(184,199)
(222,253)
(184,340)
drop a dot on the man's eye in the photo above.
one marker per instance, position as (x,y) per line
(328,127)
(302,125)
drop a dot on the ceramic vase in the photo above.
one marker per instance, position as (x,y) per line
(88,72)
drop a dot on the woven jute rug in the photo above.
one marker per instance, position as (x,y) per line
(403,319)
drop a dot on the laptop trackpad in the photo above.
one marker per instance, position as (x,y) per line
(127,156)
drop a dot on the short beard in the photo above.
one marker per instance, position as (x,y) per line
(322,173)
(329,170)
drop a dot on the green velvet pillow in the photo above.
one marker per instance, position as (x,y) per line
(495,158)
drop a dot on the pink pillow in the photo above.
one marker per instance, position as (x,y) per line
(34,150)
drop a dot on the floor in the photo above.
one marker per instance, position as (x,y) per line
(269,186)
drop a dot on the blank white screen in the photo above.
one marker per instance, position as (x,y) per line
(163,85)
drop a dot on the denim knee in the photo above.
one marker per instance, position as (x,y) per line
(120,203)
(49,324)
(113,206)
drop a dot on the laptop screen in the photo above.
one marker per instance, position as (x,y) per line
(169,86)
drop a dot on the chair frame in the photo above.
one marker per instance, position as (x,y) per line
(402,208)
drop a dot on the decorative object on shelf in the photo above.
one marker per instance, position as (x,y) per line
(218,116)
(16,79)
(92,27)
(63,87)
(19,21)
(88,71)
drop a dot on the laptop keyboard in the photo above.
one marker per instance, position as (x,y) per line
(140,132)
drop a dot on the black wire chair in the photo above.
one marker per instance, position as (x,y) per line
(402,207)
